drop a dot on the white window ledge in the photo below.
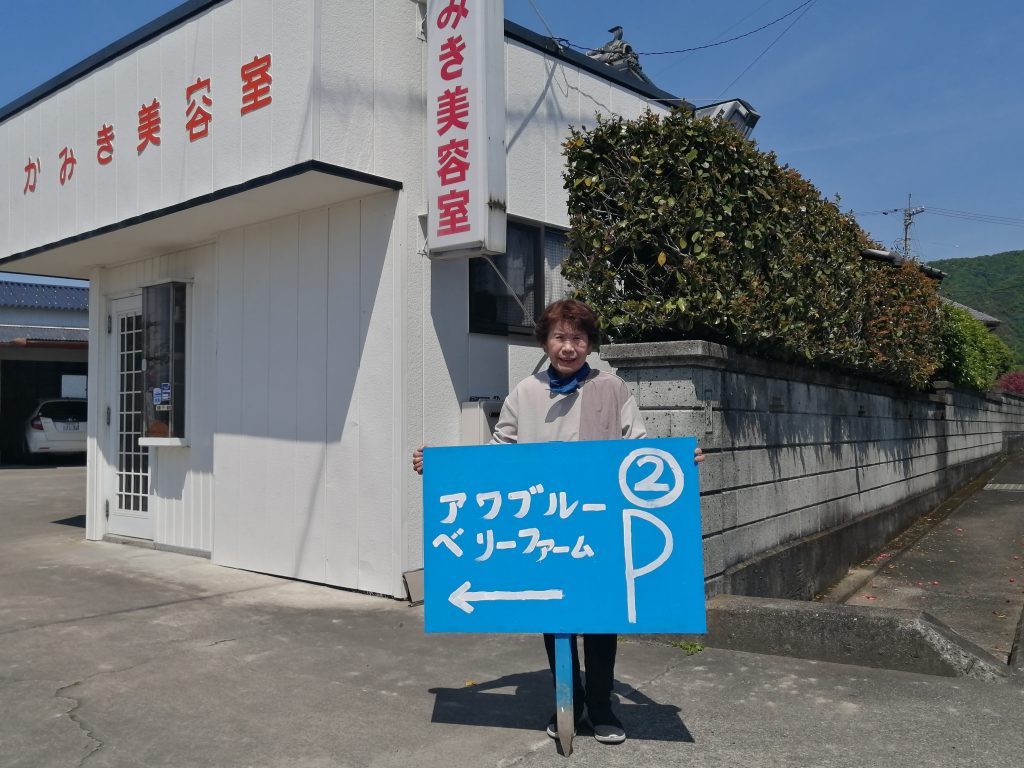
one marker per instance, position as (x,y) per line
(164,442)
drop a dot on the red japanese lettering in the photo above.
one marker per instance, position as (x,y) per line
(453,159)
(453,109)
(198,123)
(453,212)
(67,165)
(31,175)
(105,144)
(452,14)
(256,82)
(451,58)
(149,125)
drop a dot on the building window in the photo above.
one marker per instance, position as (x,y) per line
(531,266)
(163,360)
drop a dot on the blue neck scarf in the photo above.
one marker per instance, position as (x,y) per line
(569,384)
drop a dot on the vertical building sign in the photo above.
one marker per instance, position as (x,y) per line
(465,127)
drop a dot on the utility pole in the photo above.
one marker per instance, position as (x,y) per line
(908,218)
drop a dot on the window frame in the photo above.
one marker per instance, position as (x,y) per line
(180,406)
(540,301)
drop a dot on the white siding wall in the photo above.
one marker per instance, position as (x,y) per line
(181,481)
(372,119)
(309,389)
(214,44)
(544,96)
(371,115)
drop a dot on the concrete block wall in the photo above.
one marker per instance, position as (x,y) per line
(808,471)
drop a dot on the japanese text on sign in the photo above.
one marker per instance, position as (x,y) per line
(256,83)
(564,537)
(465,86)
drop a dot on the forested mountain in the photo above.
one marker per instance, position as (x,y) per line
(993,284)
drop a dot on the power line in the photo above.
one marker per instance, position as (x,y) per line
(806,7)
(977,220)
(981,218)
(988,218)
(570,44)
(542,21)
(716,39)
(731,39)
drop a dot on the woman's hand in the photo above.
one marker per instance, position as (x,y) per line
(698,456)
(417,460)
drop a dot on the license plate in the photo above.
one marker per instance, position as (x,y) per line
(72,427)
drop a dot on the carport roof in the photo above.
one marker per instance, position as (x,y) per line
(42,336)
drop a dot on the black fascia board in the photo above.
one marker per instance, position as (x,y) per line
(191,8)
(118,48)
(548,46)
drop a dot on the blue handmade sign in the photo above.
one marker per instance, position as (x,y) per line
(588,537)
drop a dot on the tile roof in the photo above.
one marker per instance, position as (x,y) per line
(39,296)
(977,314)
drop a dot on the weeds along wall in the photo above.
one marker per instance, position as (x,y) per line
(808,472)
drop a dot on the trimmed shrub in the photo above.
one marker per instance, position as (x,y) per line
(900,331)
(972,357)
(681,228)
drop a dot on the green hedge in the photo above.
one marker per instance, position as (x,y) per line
(681,228)
(973,357)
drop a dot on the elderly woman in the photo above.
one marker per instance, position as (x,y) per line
(571,401)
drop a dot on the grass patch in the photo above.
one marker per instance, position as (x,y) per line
(688,647)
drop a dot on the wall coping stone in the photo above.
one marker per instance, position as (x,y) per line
(665,354)
(707,354)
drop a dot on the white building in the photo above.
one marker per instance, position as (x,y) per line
(257,172)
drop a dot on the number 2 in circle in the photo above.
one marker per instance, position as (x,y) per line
(650,483)
(664,493)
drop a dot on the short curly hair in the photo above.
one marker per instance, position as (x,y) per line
(571,312)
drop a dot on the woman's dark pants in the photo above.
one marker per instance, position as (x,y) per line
(599,661)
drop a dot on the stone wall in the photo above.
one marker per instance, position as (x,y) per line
(809,472)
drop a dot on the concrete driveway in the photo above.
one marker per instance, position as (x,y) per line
(120,656)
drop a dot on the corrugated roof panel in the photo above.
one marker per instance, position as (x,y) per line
(10,334)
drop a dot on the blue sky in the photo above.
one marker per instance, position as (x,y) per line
(869,99)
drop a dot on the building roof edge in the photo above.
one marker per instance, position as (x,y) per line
(132,40)
(191,8)
(547,45)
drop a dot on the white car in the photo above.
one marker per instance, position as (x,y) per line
(56,426)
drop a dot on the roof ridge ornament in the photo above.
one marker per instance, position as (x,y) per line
(619,55)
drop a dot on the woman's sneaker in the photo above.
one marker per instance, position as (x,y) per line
(553,724)
(607,727)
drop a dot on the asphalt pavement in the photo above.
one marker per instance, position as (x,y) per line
(966,569)
(112,655)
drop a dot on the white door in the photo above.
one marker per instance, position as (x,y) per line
(128,491)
